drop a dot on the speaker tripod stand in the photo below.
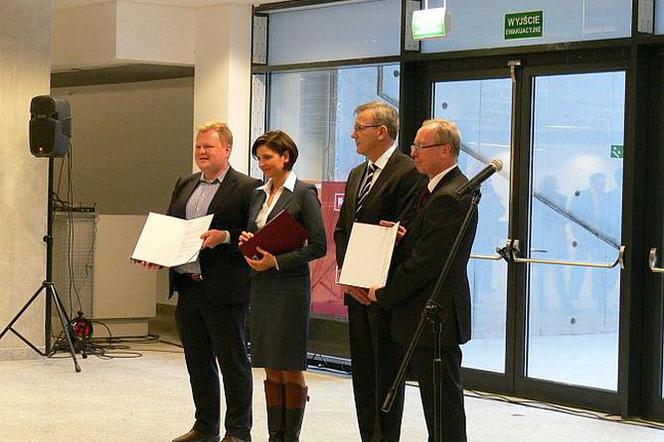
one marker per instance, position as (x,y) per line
(47,287)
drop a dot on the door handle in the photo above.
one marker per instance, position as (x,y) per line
(486,257)
(652,261)
(513,252)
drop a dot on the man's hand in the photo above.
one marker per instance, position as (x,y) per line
(373,293)
(212,238)
(147,265)
(359,294)
(266,262)
(401,232)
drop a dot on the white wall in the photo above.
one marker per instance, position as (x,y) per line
(119,32)
(223,73)
(25,44)
(155,34)
(131,142)
(84,37)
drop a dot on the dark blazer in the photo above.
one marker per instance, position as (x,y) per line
(422,253)
(393,197)
(225,274)
(304,206)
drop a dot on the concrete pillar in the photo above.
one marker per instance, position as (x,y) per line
(25,47)
(222,81)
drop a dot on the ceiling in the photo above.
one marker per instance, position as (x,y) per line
(66,4)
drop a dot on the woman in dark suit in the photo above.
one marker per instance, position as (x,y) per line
(280,285)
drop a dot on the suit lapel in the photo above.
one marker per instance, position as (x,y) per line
(384,175)
(224,190)
(257,203)
(285,198)
(354,185)
(186,192)
(449,176)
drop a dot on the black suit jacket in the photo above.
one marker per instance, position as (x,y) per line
(303,205)
(422,254)
(225,273)
(393,197)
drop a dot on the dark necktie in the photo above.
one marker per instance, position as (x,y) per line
(365,189)
(424,197)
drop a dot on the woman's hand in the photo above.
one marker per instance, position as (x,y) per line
(266,262)
(244,237)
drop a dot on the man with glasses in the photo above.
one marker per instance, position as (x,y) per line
(420,256)
(384,187)
(214,291)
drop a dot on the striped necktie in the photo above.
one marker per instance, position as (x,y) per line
(365,189)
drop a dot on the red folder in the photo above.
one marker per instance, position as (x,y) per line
(280,235)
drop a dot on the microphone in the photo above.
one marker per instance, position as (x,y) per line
(494,166)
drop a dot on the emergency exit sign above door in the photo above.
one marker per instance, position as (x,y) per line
(524,25)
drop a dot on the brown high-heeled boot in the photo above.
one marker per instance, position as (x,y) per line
(295,399)
(274,402)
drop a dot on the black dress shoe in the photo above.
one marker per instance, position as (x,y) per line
(197,436)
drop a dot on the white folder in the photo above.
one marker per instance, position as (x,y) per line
(368,255)
(170,241)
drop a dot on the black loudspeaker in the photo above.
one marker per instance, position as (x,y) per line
(50,126)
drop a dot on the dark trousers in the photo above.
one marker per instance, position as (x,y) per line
(453,414)
(211,334)
(376,359)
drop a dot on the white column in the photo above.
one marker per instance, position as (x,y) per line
(222,82)
(25,46)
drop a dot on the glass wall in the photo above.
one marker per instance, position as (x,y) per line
(316,109)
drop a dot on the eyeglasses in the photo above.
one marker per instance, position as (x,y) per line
(414,146)
(360,127)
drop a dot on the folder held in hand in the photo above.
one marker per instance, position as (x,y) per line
(280,235)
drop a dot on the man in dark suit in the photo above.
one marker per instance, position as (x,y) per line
(214,291)
(384,187)
(421,255)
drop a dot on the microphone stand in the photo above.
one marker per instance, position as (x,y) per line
(433,313)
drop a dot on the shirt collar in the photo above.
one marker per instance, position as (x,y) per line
(288,184)
(220,178)
(384,158)
(433,182)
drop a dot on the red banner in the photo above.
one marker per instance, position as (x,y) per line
(326,295)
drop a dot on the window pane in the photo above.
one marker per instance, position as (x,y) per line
(316,109)
(366,29)
(474,27)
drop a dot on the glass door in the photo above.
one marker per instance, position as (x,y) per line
(653,314)
(575,199)
(482,110)
(546,264)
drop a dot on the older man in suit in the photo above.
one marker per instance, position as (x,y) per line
(214,290)
(421,255)
(384,187)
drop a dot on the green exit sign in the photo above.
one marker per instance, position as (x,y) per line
(617,151)
(524,25)
(429,23)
